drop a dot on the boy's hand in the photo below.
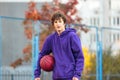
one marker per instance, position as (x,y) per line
(37,78)
(75,78)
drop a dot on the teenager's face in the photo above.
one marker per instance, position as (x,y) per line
(59,25)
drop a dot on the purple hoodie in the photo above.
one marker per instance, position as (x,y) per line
(67,51)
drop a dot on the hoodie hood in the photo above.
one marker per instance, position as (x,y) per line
(67,30)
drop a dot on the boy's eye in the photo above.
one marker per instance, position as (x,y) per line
(55,21)
(60,21)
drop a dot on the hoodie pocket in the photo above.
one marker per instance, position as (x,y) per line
(69,70)
(63,71)
(59,71)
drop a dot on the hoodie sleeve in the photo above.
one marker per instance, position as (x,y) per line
(45,50)
(78,55)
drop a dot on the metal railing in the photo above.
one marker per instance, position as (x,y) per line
(27,75)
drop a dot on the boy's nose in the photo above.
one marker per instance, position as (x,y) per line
(58,24)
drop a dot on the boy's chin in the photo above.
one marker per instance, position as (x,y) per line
(58,30)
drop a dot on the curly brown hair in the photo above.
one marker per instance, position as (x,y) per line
(57,16)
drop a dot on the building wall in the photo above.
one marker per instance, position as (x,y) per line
(13,38)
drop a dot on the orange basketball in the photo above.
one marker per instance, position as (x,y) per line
(47,63)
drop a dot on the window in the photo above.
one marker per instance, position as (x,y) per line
(94,21)
(114,21)
(118,38)
(118,20)
(91,21)
(91,38)
(94,36)
(110,20)
(110,38)
(113,37)
(98,21)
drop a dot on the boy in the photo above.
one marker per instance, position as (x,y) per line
(66,48)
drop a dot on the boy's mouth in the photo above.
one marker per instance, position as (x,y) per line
(58,26)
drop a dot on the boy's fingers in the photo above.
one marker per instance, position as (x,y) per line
(37,78)
(74,78)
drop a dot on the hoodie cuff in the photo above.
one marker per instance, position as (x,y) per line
(37,76)
(37,73)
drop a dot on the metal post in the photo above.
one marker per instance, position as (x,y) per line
(35,46)
(12,77)
(100,60)
(0,48)
(97,55)
(101,54)
(33,52)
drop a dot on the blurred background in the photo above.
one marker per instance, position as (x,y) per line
(25,24)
